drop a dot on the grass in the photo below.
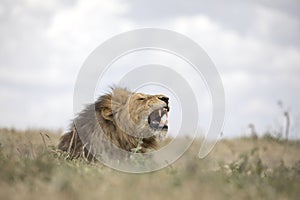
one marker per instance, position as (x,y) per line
(32,168)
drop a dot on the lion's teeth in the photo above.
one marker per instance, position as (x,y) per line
(163,119)
(159,113)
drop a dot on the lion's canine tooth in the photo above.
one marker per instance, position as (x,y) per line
(159,113)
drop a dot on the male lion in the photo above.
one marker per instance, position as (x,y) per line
(122,119)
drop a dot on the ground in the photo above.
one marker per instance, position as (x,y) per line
(267,168)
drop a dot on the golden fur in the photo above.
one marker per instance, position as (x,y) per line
(120,118)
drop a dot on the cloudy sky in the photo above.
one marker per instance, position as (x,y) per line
(255,46)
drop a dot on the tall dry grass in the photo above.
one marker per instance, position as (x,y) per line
(32,168)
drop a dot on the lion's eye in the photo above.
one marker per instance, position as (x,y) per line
(141,99)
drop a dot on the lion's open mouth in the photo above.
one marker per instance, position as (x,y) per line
(158,119)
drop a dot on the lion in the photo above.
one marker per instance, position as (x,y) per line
(123,119)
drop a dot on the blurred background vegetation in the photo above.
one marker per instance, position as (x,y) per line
(243,168)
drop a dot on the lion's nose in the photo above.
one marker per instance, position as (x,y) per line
(165,99)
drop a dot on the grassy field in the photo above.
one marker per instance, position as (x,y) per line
(267,168)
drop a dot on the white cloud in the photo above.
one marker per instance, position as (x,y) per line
(87,24)
(255,72)
(269,23)
(43,44)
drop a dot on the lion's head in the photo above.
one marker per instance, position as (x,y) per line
(135,114)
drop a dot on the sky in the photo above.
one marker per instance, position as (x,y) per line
(254,45)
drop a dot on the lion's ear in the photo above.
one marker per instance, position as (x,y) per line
(103,107)
(107,114)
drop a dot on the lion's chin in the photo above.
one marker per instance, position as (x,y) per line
(158,119)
